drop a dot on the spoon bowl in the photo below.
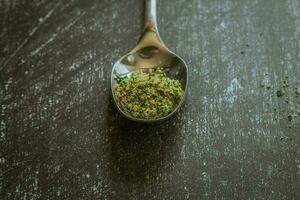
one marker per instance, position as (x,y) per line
(149,54)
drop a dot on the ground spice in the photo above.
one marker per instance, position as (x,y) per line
(148,96)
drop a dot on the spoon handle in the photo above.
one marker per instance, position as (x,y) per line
(150,14)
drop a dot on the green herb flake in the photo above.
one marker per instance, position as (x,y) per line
(290,117)
(297,93)
(279,93)
(268,87)
(287,100)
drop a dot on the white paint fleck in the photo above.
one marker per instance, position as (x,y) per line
(18,188)
(57,169)
(74,66)
(37,50)
(60,30)
(223,182)
(8,83)
(31,33)
(220,27)
(101,73)
(230,93)
(2,160)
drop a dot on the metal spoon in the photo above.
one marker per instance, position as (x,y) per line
(149,54)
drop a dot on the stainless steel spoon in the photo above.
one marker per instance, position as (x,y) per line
(149,54)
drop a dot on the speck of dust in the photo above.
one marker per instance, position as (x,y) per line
(291,96)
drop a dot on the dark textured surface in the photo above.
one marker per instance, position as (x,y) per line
(61,137)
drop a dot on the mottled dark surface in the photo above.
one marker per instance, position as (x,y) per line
(62,138)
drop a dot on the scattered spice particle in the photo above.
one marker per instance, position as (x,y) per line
(288,95)
(287,100)
(260,34)
(279,93)
(290,117)
(247,45)
(285,84)
(243,52)
(297,93)
(268,86)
